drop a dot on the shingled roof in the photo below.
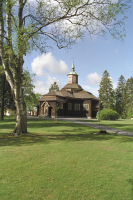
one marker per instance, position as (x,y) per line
(70,90)
(72,86)
(62,95)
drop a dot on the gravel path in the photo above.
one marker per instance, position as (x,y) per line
(98,126)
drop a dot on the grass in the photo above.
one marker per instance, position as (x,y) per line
(64,161)
(125,124)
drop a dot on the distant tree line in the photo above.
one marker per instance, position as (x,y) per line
(119,99)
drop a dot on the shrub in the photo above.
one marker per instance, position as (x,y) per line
(107,114)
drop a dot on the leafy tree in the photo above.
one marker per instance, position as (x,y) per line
(120,94)
(31,101)
(31,98)
(54,87)
(129,97)
(106,93)
(31,24)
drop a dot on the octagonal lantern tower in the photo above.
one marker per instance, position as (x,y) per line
(72,77)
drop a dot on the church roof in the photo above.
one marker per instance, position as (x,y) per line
(61,95)
(72,86)
(68,91)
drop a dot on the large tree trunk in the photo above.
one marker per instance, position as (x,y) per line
(2,99)
(1,51)
(21,112)
(13,65)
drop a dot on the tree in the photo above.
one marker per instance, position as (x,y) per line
(54,87)
(31,98)
(120,94)
(6,97)
(2,92)
(106,93)
(31,24)
(31,101)
(129,97)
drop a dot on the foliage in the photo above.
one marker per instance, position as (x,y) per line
(31,98)
(129,91)
(54,87)
(106,93)
(107,114)
(120,93)
(128,99)
(130,112)
(120,99)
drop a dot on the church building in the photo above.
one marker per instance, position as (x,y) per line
(70,101)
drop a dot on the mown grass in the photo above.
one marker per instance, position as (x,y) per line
(64,161)
(124,124)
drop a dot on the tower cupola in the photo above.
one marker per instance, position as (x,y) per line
(72,76)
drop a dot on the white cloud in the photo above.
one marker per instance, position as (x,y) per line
(51,80)
(43,87)
(40,88)
(49,62)
(93,79)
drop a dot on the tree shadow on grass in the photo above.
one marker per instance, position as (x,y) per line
(66,131)
(30,139)
(130,181)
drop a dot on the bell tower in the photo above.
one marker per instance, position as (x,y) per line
(72,77)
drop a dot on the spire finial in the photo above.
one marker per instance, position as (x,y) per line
(73,58)
(73,67)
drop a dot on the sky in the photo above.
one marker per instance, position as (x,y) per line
(92,56)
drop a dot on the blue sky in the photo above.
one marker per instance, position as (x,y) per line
(91,58)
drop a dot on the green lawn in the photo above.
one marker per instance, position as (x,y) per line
(64,161)
(125,124)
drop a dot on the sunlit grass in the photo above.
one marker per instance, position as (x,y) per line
(125,124)
(64,161)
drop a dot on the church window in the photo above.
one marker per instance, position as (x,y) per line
(61,106)
(85,106)
(69,106)
(77,106)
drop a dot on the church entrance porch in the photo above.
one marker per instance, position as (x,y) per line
(47,110)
